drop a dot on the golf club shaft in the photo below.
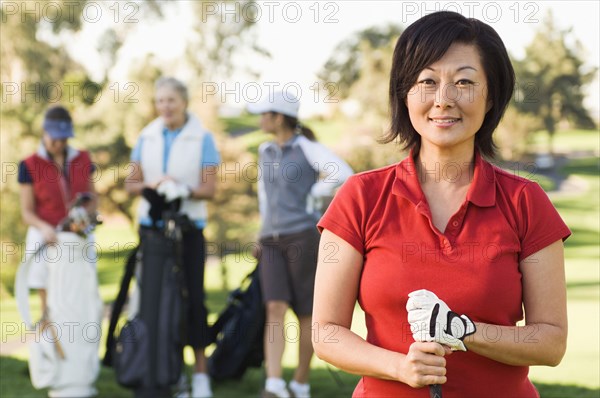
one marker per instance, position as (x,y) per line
(435,391)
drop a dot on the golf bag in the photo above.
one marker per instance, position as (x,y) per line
(148,353)
(238,332)
(64,355)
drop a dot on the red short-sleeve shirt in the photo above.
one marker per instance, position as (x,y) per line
(473,266)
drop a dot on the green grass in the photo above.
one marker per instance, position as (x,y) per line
(243,122)
(327,383)
(115,242)
(581,212)
(576,376)
(568,141)
(337,385)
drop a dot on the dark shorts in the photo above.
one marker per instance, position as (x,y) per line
(287,269)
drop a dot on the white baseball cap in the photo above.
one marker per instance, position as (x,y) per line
(278,102)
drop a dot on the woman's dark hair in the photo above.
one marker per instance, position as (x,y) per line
(293,124)
(425,42)
(58,113)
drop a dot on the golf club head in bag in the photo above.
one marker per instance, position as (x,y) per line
(82,217)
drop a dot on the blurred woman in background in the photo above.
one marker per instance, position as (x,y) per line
(299,177)
(176,155)
(58,204)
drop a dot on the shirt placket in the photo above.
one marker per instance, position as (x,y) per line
(448,237)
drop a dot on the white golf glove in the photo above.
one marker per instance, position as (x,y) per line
(431,320)
(172,190)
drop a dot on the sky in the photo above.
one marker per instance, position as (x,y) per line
(301,36)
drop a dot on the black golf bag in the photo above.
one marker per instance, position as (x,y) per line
(148,353)
(238,332)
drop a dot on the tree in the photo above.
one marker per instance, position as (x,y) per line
(370,90)
(33,73)
(108,117)
(220,44)
(551,78)
(346,64)
(222,40)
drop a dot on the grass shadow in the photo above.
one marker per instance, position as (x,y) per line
(326,383)
(564,391)
(584,166)
(583,237)
(216,300)
(575,285)
(15,382)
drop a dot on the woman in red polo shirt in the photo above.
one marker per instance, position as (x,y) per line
(444,252)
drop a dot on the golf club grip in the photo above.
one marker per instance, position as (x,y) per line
(435,391)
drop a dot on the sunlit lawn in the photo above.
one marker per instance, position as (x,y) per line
(568,140)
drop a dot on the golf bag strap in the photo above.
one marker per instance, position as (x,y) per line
(117,306)
(224,317)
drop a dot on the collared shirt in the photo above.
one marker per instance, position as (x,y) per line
(473,265)
(286,181)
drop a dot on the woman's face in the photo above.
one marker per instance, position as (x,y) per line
(269,122)
(170,106)
(54,147)
(448,103)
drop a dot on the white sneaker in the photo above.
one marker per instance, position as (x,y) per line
(299,390)
(275,388)
(182,394)
(201,386)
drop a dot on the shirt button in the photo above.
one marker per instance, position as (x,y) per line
(455,223)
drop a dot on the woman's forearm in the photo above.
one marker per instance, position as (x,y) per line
(134,187)
(349,352)
(202,192)
(534,344)
(208,184)
(134,182)
(423,365)
(31,219)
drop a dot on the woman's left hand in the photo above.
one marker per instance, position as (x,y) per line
(432,320)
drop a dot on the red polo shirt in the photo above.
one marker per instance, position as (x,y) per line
(473,266)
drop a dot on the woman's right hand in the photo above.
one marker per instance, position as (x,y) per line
(49,233)
(424,364)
